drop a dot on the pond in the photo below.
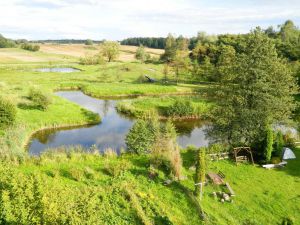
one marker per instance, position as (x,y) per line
(58,70)
(112,130)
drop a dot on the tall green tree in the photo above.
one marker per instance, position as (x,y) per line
(110,50)
(256,90)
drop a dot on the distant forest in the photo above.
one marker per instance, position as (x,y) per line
(66,41)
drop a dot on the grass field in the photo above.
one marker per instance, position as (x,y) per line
(119,187)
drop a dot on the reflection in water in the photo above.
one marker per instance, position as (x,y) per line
(58,70)
(110,132)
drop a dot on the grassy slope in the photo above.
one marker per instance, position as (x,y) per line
(262,196)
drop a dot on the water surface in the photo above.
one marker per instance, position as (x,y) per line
(58,70)
(112,130)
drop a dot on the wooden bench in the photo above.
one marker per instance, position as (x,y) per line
(216,179)
(230,189)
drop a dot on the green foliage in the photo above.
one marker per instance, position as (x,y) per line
(279,144)
(180,108)
(141,54)
(269,144)
(30,47)
(110,50)
(6,43)
(255,93)
(40,98)
(117,168)
(92,60)
(200,169)
(88,42)
(140,138)
(8,113)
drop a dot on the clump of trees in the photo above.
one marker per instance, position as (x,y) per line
(30,47)
(40,99)
(110,50)
(8,113)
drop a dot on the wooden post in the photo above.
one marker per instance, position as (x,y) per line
(201,189)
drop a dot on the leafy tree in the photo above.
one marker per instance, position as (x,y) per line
(110,50)
(88,42)
(226,59)
(255,92)
(180,63)
(166,71)
(141,54)
(170,48)
(30,47)
(6,43)
(200,170)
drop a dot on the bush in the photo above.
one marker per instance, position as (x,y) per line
(8,113)
(269,144)
(140,138)
(39,98)
(279,144)
(30,47)
(92,60)
(117,168)
(180,108)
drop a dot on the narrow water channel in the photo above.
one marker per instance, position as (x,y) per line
(112,130)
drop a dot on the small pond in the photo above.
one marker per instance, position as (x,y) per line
(58,70)
(112,130)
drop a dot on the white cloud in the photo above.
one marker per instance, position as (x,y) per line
(117,19)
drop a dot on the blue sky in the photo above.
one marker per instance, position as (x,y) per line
(118,19)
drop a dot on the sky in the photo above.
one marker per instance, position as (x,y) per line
(119,19)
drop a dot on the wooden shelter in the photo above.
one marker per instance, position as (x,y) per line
(243,154)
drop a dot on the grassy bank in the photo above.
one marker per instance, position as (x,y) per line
(161,105)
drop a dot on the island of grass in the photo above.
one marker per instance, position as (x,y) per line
(174,107)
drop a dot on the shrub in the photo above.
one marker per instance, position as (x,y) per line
(140,138)
(89,173)
(8,113)
(117,168)
(30,47)
(41,99)
(200,169)
(76,174)
(269,144)
(92,60)
(180,108)
(279,144)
